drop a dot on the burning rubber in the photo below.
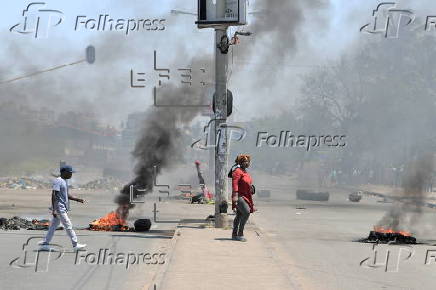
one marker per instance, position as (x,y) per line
(389,236)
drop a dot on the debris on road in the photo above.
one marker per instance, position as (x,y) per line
(197,198)
(23,183)
(106,183)
(17,223)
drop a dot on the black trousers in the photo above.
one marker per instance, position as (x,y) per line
(242,215)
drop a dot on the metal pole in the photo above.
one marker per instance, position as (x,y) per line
(155,211)
(221,62)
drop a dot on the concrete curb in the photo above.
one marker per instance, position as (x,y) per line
(158,277)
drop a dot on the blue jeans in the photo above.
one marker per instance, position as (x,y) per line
(242,215)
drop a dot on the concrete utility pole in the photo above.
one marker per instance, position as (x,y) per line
(221,150)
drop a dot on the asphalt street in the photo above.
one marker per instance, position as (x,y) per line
(317,245)
(22,267)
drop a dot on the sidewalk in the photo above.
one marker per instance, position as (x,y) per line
(206,258)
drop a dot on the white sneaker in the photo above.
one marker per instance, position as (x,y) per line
(45,247)
(79,247)
(41,242)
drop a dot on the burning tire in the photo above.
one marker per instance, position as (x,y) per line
(142,225)
(310,195)
(389,237)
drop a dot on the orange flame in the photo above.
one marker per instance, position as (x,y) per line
(380,229)
(109,222)
(40,223)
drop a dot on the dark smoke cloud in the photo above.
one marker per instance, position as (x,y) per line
(405,213)
(160,143)
(275,38)
(276,26)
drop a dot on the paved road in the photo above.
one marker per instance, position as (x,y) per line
(316,243)
(71,271)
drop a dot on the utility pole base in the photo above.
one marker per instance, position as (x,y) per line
(222,220)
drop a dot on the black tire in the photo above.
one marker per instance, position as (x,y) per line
(353,197)
(197,198)
(142,225)
(314,196)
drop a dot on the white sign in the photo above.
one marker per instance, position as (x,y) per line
(234,13)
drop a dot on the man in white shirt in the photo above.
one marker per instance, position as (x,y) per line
(60,202)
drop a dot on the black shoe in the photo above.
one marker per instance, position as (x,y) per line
(234,237)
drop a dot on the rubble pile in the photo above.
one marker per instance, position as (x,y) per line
(106,183)
(17,223)
(23,183)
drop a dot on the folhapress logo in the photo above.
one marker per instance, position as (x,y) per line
(37,20)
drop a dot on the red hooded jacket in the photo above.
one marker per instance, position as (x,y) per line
(241,183)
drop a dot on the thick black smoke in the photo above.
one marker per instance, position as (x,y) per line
(160,143)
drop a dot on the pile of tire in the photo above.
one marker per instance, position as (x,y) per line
(355,197)
(142,225)
(303,194)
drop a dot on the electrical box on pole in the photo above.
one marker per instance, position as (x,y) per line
(235,13)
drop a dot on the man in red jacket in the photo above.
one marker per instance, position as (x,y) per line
(242,199)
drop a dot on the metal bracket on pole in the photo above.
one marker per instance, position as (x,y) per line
(224,44)
(155,211)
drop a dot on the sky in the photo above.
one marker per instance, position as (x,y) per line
(104,87)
